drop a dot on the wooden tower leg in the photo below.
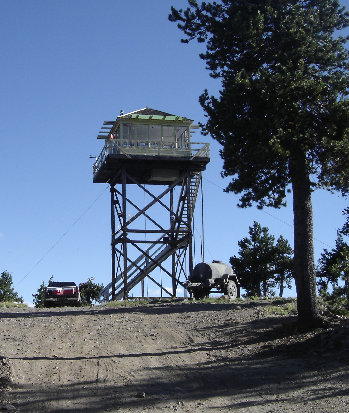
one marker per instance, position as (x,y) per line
(124,231)
(190,217)
(172,235)
(113,251)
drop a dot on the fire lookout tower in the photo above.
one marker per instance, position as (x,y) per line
(154,173)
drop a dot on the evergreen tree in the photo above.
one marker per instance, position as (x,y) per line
(333,271)
(39,297)
(7,292)
(282,113)
(254,266)
(90,291)
(345,229)
(283,264)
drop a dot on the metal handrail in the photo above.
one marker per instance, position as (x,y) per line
(152,148)
(132,269)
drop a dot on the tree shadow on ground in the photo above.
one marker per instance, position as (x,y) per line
(240,384)
(252,364)
(282,370)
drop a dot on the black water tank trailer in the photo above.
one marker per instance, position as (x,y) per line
(216,276)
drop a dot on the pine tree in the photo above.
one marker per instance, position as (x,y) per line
(333,271)
(283,264)
(254,265)
(282,114)
(90,291)
(7,292)
(345,228)
(39,297)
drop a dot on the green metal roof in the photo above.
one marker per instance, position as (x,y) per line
(156,117)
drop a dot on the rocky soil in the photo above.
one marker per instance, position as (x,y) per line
(170,356)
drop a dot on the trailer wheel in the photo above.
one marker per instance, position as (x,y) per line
(232,290)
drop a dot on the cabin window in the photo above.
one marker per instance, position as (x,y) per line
(126,131)
(155,133)
(168,133)
(182,136)
(173,135)
(140,132)
(134,132)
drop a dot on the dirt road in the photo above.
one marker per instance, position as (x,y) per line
(176,356)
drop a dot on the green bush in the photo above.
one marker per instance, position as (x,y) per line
(336,304)
(90,292)
(11,304)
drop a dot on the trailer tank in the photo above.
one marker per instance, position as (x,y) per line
(217,276)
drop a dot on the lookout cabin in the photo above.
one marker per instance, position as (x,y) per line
(153,145)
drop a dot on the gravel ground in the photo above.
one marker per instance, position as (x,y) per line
(170,356)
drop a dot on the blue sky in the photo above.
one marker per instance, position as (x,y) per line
(68,65)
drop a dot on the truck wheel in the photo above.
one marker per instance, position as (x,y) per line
(232,290)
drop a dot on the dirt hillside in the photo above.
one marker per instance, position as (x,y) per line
(170,356)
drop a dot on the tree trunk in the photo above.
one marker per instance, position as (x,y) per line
(258,291)
(304,268)
(282,277)
(265,289)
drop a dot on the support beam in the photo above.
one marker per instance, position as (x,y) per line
(124,230)
(132,262)
(113,274)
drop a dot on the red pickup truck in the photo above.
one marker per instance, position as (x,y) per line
(62,293)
